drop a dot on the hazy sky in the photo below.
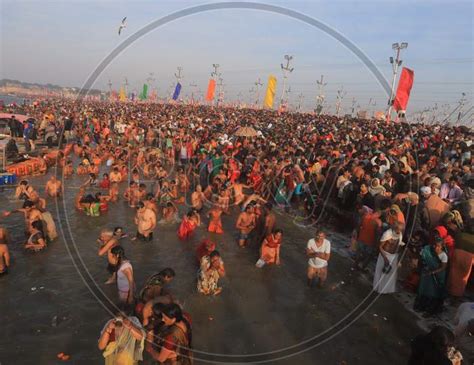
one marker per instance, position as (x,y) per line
(62,42)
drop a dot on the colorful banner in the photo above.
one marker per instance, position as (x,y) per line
(177,90)
(403,92)
(144,94)
(270,94)
(210,90)
(122,96)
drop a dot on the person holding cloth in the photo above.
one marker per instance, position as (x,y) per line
(318,251)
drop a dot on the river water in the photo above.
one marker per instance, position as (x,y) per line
(52,301)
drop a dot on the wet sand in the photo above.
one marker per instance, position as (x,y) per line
(47,307)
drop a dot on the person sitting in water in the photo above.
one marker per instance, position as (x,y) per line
(36,242)
(212,268)
(4,252)
(170,213)
(270,250)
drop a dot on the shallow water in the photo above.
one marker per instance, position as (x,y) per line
(53,301)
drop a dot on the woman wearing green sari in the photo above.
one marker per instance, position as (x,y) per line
(432,286)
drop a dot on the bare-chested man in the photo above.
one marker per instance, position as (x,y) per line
(197,198)
(245,223)
(145,220)
(4,253)
(239,195)
(115,175)
(53,187)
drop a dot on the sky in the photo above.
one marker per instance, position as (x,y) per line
(62,42)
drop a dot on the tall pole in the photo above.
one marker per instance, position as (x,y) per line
(340,95)
(461,105)
(353,106)
(257,84)
(286,69)
(215,75)
(251,92)
(193,86)
(320,97)
(300,101)
(220,94)
(395,64)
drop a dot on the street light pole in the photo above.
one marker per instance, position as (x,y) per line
(286,69)
(395,64)
(320,97)
(258,83)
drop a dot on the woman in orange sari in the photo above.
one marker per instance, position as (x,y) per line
(270,250)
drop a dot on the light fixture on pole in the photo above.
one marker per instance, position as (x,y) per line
(286,69)
(395,64)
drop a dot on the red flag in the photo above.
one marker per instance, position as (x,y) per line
(210,90)
(403,92)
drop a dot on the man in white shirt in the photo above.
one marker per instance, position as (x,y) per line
(318,251)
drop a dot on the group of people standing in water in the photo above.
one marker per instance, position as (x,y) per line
(403,191)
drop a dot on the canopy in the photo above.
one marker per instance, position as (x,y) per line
(246,132)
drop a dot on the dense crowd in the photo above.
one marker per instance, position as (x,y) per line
(405,192)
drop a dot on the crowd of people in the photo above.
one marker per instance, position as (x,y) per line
(405,193)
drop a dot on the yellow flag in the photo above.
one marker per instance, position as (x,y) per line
(122,96)
(270,94)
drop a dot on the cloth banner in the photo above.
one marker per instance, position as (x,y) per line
(177,90)
(403,92)
(211,87)
(270,94)
(144,93)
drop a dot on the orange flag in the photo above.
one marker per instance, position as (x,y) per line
(210,90)
(403,92)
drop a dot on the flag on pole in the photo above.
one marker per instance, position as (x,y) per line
(177,90)
(122,96)
(403,91)
(270,94)
(144,94)
(211,87)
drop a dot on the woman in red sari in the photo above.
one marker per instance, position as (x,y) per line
(270,250)
(188,225)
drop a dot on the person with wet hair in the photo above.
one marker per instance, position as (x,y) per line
(37,241)
(125,282)
(318,251)
(145,219)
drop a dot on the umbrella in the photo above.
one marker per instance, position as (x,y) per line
(246,132)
